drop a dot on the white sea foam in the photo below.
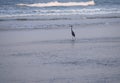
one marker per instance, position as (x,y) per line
(56,3)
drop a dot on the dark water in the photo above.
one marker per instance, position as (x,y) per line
(10,8)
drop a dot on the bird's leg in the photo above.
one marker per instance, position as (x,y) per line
(73,38)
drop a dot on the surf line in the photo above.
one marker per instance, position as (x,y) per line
(56,3)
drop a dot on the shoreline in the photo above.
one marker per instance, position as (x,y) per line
(57,22)
(72,16)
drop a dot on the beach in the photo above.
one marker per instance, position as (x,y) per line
(40,49)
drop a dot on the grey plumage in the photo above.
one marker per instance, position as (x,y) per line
(72,32)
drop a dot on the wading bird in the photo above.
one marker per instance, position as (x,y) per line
(72,32)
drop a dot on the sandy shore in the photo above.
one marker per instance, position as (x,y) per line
(49,55)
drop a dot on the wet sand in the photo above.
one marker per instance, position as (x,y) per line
(51,56)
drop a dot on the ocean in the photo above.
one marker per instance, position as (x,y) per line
(60,14)
(10,8)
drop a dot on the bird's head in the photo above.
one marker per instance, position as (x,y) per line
(70,26)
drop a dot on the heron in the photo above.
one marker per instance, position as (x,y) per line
(72,32)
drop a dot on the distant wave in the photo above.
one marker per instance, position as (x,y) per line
(56,3)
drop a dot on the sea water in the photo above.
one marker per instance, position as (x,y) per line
(58,7)
(57,13)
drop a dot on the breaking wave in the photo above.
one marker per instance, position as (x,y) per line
(56,3)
